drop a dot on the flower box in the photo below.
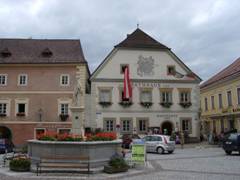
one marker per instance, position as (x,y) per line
(146,104)
(63,117)
(125,103)
(105,104)
(185,104)
(166,104)
(21,114)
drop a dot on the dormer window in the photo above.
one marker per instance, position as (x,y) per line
(47,53)
(6,53)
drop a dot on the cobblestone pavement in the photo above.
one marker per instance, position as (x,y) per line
(184,164)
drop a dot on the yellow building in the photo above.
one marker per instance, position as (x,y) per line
(220,100)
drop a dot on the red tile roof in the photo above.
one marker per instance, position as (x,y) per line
(140,39)
(227,73)
(33,51)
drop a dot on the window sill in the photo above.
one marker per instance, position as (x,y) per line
(21,114)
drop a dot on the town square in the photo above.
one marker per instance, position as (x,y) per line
(119,90)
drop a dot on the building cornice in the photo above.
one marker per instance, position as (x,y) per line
(36,92)
(147,80)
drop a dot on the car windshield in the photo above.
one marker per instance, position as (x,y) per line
(232,137)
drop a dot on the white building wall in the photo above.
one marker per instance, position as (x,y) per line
(108,75)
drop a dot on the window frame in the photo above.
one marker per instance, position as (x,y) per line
(229,98)
(139,129)
(19,79)
(61,79)
(188,95)
(206,103)
(6,78)
(59,129)
(64,101)
(238,95)
(22,101)
(145,90)
(122,66)
(101,89)
(213,102)
(106,127)
(174,69)
(220,102)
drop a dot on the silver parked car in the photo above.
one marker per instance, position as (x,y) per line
(159,144)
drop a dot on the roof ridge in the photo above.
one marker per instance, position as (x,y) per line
(220,75)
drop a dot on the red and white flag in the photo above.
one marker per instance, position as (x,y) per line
(127,88)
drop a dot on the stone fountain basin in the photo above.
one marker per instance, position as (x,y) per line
(99,152)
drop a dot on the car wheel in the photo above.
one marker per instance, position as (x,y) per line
(170,152)
(160,150)
(228,152)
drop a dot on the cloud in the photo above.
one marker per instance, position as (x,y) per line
(204,34)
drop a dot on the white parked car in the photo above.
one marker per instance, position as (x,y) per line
(159,143)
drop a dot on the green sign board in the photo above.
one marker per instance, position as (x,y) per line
(138,153)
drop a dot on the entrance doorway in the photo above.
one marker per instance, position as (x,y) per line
(5,133)
(167,128)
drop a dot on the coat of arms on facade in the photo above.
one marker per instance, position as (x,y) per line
(145,66)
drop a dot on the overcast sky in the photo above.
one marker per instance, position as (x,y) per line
(203,34)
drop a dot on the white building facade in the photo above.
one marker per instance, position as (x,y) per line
(165,91)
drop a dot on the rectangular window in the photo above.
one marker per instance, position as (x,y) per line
(122,96)
(229,97)
(3,109)
(206,104)
(64,109)
(186,125)
(105,95)
(166,97)
(220,101)
(126,125)
(184,97)
(3,80)
(122,68)
(171,70)
(212,100)
(146,96)
(22,80)
(64,80)
(238,95)
(142,125)
(21,108)
(109,125)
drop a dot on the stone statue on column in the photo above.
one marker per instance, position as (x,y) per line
(77,109)
(77,93)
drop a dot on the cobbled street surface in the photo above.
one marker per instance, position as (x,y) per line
(184,164)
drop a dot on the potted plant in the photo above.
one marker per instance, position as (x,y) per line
(20,164)
(21,114)
(125,103)
(63,117)
(146,104)
(116,164)
(105,104)
(185,104)
(166,104)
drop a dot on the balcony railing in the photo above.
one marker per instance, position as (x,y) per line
(146,104)
(105,104)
